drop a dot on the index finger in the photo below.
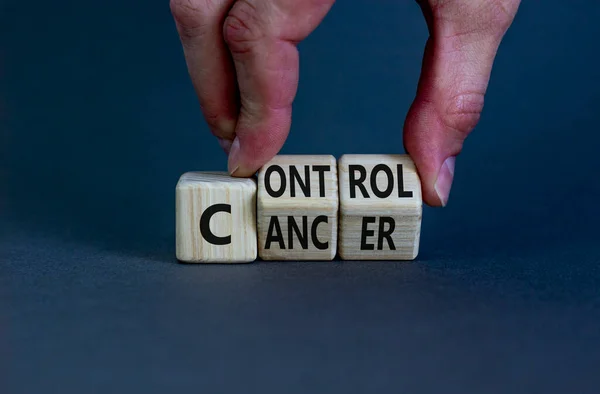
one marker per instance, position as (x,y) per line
(199,24)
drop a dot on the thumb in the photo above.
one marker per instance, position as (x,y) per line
(458,59)
(261,36)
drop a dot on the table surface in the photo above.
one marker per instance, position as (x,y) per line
(100,119)
(86,319)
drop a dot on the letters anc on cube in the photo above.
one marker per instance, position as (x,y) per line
(297,208)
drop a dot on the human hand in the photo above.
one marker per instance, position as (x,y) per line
(243,62)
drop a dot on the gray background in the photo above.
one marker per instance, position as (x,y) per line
(99,120)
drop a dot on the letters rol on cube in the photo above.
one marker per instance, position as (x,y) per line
(297,208)
(215,218)
(380,207)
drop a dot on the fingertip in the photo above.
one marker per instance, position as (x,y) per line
(437,185)
(225,144)
(233,165)
(258,139)
(244,161)
(436,179)
(435,192)
(243,168)
(433,152)
(240,170)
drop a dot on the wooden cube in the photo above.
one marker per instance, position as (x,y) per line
(380,207)
(297,208)
(215,218)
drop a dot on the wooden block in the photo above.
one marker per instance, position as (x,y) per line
(215,218)
(297,208)
(380,207)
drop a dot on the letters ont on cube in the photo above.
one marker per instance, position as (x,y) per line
(380,207)
(215,218)
(297,208)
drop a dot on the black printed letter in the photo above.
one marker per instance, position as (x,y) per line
(205,224)
(401,191)
(295,175)
(386,233)
(270,190)
(277,237)
(321,170)
(366,233)
(302,236)
(390,181)
(313,232)
(357,182)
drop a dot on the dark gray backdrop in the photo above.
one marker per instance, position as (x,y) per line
(99,120)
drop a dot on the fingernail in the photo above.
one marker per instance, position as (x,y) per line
(225,144)
(443,184)
(234,153)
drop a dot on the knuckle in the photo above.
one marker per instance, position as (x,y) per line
(243,27)
(490,18)
(191,16)
(463,112)
(503,13)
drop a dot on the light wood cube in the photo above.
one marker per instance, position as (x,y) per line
(380,207)
(215,218)
(297,208)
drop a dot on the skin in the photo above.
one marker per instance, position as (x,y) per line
(243,62)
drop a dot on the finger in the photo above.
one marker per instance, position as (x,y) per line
(457,64)
(199,24)
(262,37)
